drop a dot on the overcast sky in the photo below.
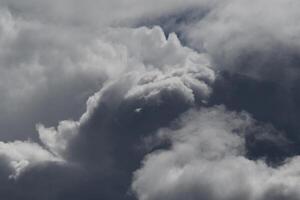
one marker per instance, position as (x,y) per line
(149,100)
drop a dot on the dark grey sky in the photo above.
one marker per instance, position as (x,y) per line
(145,100)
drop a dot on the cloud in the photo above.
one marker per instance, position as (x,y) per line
(111,126)
(21,155)
(255,47)
(98,91)
(257,38)
(161,83)
(207,160)
(41,66)
(45,62)
(257,43)
(96,12)
(146,80)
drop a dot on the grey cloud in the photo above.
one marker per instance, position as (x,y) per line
(150,82)
(110,131)
(21,155)
(44,63)
(41,66)
(92,14)
(257,43)
(207,160)
(58,55)
(269,102)
(257,38)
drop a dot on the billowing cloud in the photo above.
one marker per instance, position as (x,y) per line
(148,80)
(145,91)
(43,63)
(93,91)
(257,38)
(207,160)
(21,155)
(258,43)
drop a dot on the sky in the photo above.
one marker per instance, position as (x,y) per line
(149,100)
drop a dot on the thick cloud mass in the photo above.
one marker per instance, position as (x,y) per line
(20,155)
(41,67)
(207,161)
(147,80)
(110,99)
(140,87)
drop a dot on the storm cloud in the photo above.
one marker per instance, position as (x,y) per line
(139,100)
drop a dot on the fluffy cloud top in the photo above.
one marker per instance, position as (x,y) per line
(207,160)
(175,71)
(152,86)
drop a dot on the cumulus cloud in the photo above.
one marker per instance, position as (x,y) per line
(108,133)
(21,155)
(147,83)
(44,62)
(207,160)
(102,91)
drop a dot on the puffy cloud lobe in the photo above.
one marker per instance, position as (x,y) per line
(56,140)
(50,54)
(148,81)
(21,155)
(166,62)
(42,66)
(207,161)
(98,144)
(256,38)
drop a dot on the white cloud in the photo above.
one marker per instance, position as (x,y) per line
(57,140)
(19,155)
(207,161)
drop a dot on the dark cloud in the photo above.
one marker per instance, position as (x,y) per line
(130,113)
